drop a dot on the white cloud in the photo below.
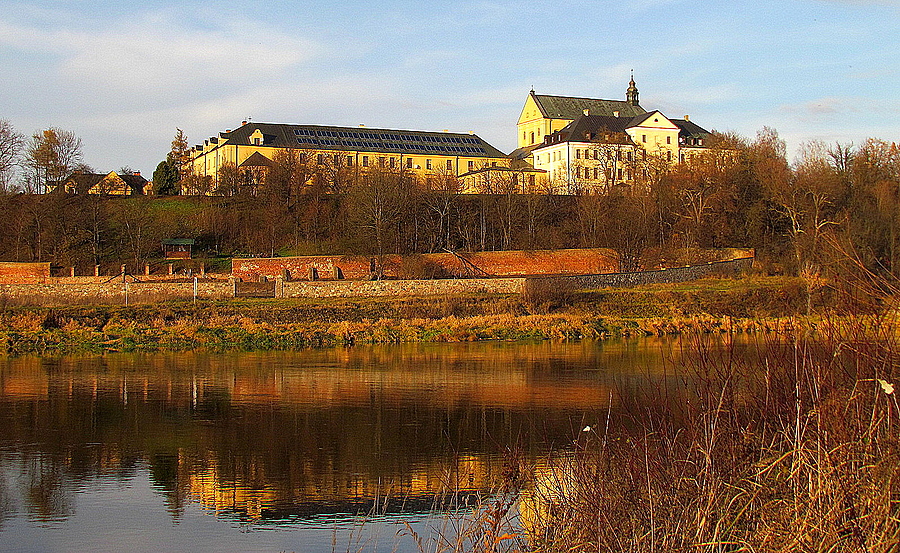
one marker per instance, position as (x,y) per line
(156,55)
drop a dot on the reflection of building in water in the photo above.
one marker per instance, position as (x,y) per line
(255,495)
(318,431)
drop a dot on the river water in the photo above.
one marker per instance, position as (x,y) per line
(341,449)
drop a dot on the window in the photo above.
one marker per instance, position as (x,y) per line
(320,159)
(428,164)
(393,162)
(381,161)
(409,163)
(669,155)
(628,154)
(365,161)
(471,165)
(596,173)
(493,164)
(644,138)
(349,161)
(337,160)
(668,140)
(578,172)
(577,153)
(532,137)
(449,164)
(257,141)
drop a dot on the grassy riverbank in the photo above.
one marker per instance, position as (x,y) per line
(542,312)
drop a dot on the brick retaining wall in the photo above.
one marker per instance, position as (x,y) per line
(498,264)
(33,273)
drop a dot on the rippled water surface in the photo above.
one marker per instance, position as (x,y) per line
(315,450)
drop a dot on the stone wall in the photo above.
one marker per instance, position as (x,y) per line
(31,273)
(54,293)
(675,274)
(369,288)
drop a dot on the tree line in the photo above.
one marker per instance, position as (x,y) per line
(739,193)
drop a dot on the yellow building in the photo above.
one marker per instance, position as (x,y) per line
(545,114)
(111,183)
(253,146)
(607,143)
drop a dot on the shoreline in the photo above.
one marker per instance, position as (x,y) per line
(746,305)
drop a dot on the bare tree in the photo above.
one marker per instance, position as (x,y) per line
(10,149)
(50,156)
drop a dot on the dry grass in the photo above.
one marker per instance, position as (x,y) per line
(798,452)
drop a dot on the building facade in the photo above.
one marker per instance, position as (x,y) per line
(110,184)
(253,147)
(606,143)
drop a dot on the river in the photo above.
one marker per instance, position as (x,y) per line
(340,449)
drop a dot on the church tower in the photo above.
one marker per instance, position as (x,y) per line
(631,96)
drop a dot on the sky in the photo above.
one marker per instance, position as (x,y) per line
(124,75)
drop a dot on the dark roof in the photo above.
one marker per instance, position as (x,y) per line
(570,107)
(256,159)
(365,139)
(135,182)
(178,242)
(595,128)
(690,129)
(85,181)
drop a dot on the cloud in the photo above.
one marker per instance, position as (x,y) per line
(157,55)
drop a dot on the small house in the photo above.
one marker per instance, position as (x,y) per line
(177,248)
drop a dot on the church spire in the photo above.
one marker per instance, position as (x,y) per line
(632,95)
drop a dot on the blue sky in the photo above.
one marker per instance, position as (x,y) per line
(124,75)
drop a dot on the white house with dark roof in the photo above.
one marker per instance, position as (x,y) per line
(585,143)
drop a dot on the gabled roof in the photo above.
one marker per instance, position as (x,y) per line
(570,107)
(595,128)
(84,182)
(256,159)
(690,129)
(136,182)
(364,139)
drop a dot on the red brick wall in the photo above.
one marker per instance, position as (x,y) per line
(506,263)
(352,267)
(23,273)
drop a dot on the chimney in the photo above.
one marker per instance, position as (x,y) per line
(687,117)
(137,173)
(587,112)
(243,123)
(362,126)
(615,114)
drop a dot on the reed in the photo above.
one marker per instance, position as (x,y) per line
(796,452)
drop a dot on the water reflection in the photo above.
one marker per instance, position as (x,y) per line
(312,435)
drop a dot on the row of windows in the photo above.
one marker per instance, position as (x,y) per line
(441,139)
(382,161)
(595,154)
(595,173)
(644,139)
(391,146)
